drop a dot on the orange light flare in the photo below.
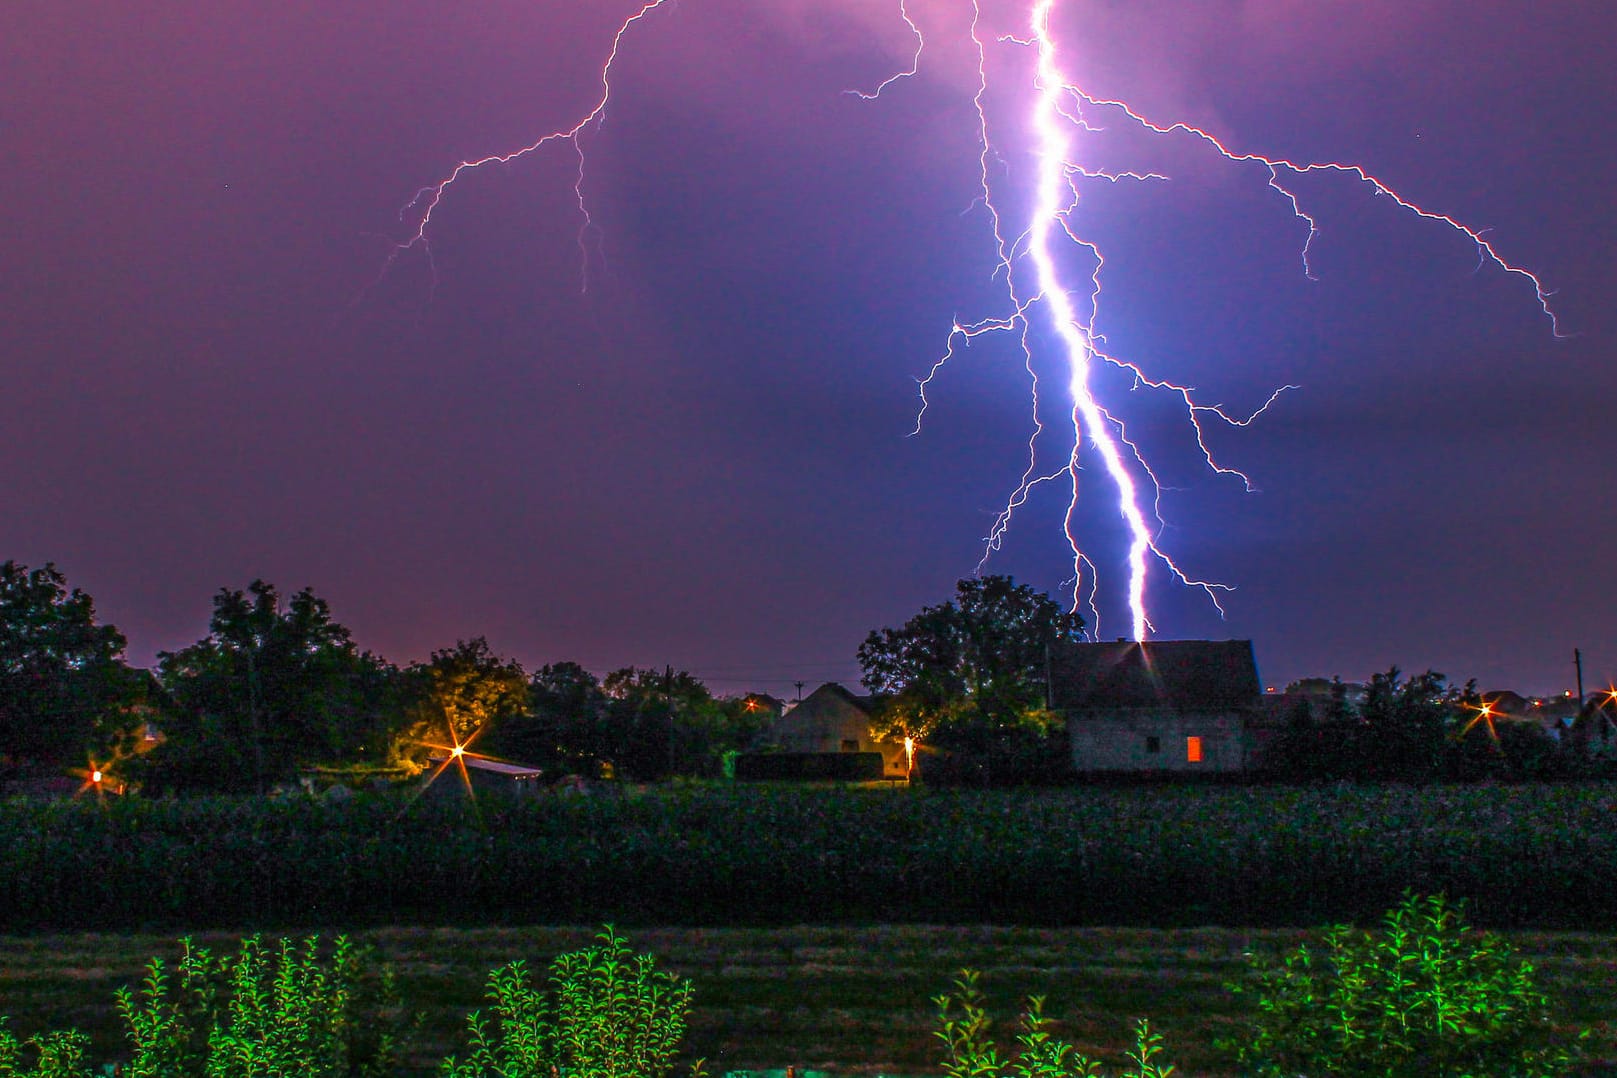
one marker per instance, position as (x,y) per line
(456,752)
(909,755)
(1485,714)
(98,777)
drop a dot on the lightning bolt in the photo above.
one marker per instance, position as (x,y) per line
(1029,266)
(1060,110)
(915,60)
(425,203)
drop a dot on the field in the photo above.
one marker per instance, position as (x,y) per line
(1525,857)
(852,1000)
(1117,903)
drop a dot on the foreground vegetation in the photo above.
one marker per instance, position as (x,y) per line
(858,1000)
(1519,856)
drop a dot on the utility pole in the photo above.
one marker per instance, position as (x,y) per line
(1577,661)
(668,704)
(799,685)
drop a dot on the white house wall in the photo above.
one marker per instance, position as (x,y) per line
(1119,740)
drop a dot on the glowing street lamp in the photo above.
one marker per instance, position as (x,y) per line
(1485,714)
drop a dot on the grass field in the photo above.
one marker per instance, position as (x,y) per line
(846,999)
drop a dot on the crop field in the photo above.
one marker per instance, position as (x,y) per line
(1520,856)
(849,1000)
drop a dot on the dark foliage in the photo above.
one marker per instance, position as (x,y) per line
(977,660)
(64,689)
(1519,855)
(1419,729)
(273,687)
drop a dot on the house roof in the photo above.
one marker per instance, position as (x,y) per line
(1506,701)
(830,712)
(499,767)
(762,701)
(831,696)
(1183,675)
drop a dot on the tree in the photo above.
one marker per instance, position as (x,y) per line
(977,662)
(272,688)
(666,722)
(63,681)
(1404,723)
(565,727)
(468,688)
(650,715)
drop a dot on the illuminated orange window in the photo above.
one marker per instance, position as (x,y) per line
(1193,750)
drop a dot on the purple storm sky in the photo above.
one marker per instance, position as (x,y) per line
(702,459)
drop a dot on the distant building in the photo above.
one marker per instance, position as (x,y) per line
(495,777)
(761,704)
(832,720)
(1507,702)
(1594,731)
(1187,706)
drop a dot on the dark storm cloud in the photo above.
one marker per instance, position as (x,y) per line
(701,459)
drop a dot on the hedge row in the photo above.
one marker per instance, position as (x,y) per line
(1523,856)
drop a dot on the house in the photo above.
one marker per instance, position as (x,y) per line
(1594,731)
(483,776)
(1187,706)
(1506,702)
(830,720)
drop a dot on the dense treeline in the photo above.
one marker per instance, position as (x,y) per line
(277,692)
(1520,856)
(277,688)
(1422,729)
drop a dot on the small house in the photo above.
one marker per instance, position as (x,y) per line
(483,776)
(1180,706)
(830,720)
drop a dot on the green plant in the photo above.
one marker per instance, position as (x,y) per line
(261,1014)
(607,1013)
(1423,997)
(969,1049)
(56,1054)
(166,1018)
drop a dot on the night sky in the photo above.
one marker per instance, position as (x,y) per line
(690,447)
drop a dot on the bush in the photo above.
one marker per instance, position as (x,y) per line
(963,1027)
(608,1013)
(1422,997)
(56,1055)
(290,1012)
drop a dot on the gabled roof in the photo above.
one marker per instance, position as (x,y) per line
(832,696)
(1506,701)
(830,712)
(1183,675)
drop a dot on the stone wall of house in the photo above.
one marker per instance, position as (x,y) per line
(1127,739)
